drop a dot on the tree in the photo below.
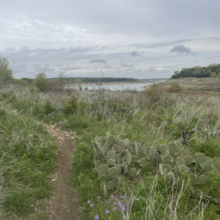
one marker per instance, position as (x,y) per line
(6,74)
(61,81)
(41,82)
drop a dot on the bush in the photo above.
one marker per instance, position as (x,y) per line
(41,82)
(6,74)
(174,87)
(154,92)
(71,106)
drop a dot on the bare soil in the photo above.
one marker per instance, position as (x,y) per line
(63,203)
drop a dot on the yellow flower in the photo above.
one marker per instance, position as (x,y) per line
(31,205)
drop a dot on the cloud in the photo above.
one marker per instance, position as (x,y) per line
(127,65)
(180,49)
(135,54)
(98,61)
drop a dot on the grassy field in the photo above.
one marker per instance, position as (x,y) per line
(131,159)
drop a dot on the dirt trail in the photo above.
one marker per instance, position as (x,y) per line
(63,203)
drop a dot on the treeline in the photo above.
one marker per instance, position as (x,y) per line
(100,79)
(212,70)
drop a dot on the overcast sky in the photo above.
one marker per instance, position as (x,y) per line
(117,38)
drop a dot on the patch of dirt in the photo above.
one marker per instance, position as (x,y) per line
(63,203)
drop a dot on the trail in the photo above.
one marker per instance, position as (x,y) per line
(63,203)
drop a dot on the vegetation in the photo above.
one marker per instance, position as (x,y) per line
(6,74)
(212,70)
(139,155)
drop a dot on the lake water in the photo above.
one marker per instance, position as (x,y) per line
(132,86)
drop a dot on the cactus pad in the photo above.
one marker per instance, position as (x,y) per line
(163,150)
(183,169)
(202,179)
(110,185)
(188,160)
(172,148)
(132,172)
(112,155)
(126,169)
(200,158)
(156,144)
(133,158)
(103,179)
(111,140)
(193,179)
(103,169)
(168,160)
(179,161)
(127,157)
(110,163)
(145,148)
(156,157)
(113,173)
(169,178)
(142,162)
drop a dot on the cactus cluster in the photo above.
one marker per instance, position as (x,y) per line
(116,157)
(172,164)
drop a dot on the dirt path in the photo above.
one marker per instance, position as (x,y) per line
(63,203)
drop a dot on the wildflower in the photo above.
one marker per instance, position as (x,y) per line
(114,203)
(139,144)
(91,205)
(31,205)
(122,197)
(120,203)
(99,197)
(96,217)
(89,201)
(107,211)
(122,208)
(41,139)
(115,208)
(112,196)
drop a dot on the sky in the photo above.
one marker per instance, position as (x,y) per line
(142,39)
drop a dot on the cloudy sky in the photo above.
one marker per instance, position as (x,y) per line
(117,38)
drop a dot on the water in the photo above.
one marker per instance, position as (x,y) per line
(132,86)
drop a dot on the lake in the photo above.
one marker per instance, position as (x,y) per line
(132,86)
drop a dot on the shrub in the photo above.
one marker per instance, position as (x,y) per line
(154,92)
(174,87)
(41,82)
(71,106)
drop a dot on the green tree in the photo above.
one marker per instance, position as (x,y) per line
(41,82)
(6,74)
(61,81)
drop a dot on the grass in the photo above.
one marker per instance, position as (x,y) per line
(24,171)
(132,115)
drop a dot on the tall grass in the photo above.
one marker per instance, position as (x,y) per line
(136,116)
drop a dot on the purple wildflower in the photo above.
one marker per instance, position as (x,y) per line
(99,197)
(37,182)
(41,139)
(91,205)
(122,208)
(114,203)
(120,203)
(89,201)
(107,211)
(112,196)
(122,197)
(96,217)
(115,208)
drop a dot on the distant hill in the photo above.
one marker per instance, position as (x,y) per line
(212,70)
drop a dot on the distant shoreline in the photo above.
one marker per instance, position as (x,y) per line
(116,83)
